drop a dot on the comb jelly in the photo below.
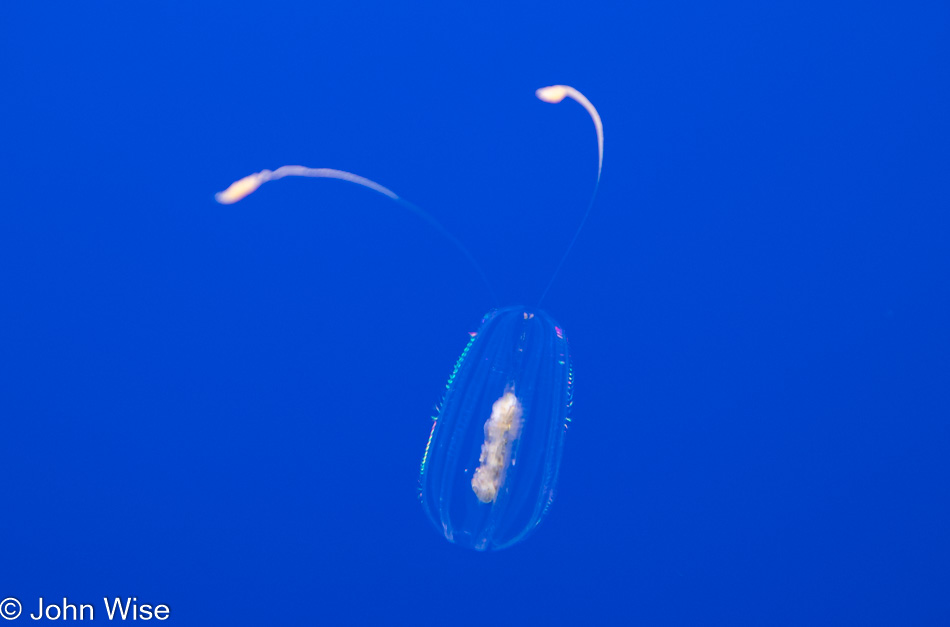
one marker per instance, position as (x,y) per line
(491,463)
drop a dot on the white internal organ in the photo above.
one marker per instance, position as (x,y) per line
(501,430)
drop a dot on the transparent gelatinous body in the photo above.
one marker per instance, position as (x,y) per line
(515,351)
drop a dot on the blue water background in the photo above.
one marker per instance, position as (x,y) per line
(224,408)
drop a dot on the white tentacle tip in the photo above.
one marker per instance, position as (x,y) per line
(552,94)
(239,189)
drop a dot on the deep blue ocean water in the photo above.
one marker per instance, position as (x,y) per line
(223,409)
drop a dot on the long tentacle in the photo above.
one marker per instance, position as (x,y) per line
(555,94)
(241,188)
